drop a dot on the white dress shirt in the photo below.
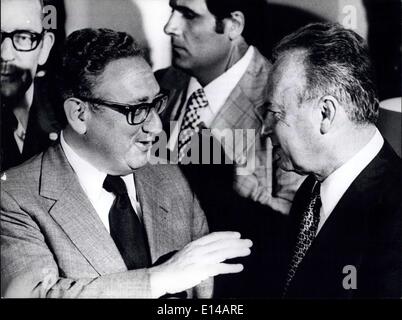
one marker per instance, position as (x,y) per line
(216,92)
(91,180)
(336,184)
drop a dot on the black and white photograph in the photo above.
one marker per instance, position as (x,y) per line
(220,152)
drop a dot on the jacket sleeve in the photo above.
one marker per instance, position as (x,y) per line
(30,270)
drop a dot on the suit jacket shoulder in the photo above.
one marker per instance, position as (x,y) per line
(53,243)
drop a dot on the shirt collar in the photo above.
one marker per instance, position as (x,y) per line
(90,178)
(218,90)
(336,184)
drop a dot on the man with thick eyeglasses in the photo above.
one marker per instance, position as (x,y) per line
(135,113)
(28,122)
(89,218)
(23,40)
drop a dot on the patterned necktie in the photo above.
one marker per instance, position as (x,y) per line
(191,121)
(307,232)
(126,229)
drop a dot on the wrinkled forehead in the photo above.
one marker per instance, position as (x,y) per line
(288,74)
(21,15)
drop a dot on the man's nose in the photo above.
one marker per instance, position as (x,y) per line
(7,50)
(153,123)
(172,27)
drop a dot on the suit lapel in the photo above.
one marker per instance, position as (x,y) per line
(348,214)
(233,116)
(240,109)
(345,233)
(176,102)
(178,99)
(247,95)
(156,212)
(72,210)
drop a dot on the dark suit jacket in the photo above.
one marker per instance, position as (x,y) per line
(364,231)
(44,125)
(53,243)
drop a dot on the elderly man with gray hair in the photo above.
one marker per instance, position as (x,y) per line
(344,234)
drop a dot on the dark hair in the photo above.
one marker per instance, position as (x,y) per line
(336,62)
(85,55)
(252,10)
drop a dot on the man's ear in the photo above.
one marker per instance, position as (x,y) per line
(328,108)
(235,24)
(77,114)
(48,41)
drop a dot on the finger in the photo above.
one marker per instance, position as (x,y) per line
(217,236)
(225,268)
(228,243)
(221,245)
(222,255)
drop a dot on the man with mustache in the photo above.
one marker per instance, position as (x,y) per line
(28,122)
(89,217)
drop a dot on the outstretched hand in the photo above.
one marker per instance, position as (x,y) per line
(198,261)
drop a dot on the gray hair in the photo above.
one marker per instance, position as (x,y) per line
(337,63)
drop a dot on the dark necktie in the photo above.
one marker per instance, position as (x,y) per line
(126,229)
(191,121)
(307,232)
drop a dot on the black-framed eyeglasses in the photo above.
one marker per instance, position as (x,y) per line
(23,40)
(135,113)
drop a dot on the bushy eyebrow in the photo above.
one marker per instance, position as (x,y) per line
(146,99)
(183,9)
(23,30)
